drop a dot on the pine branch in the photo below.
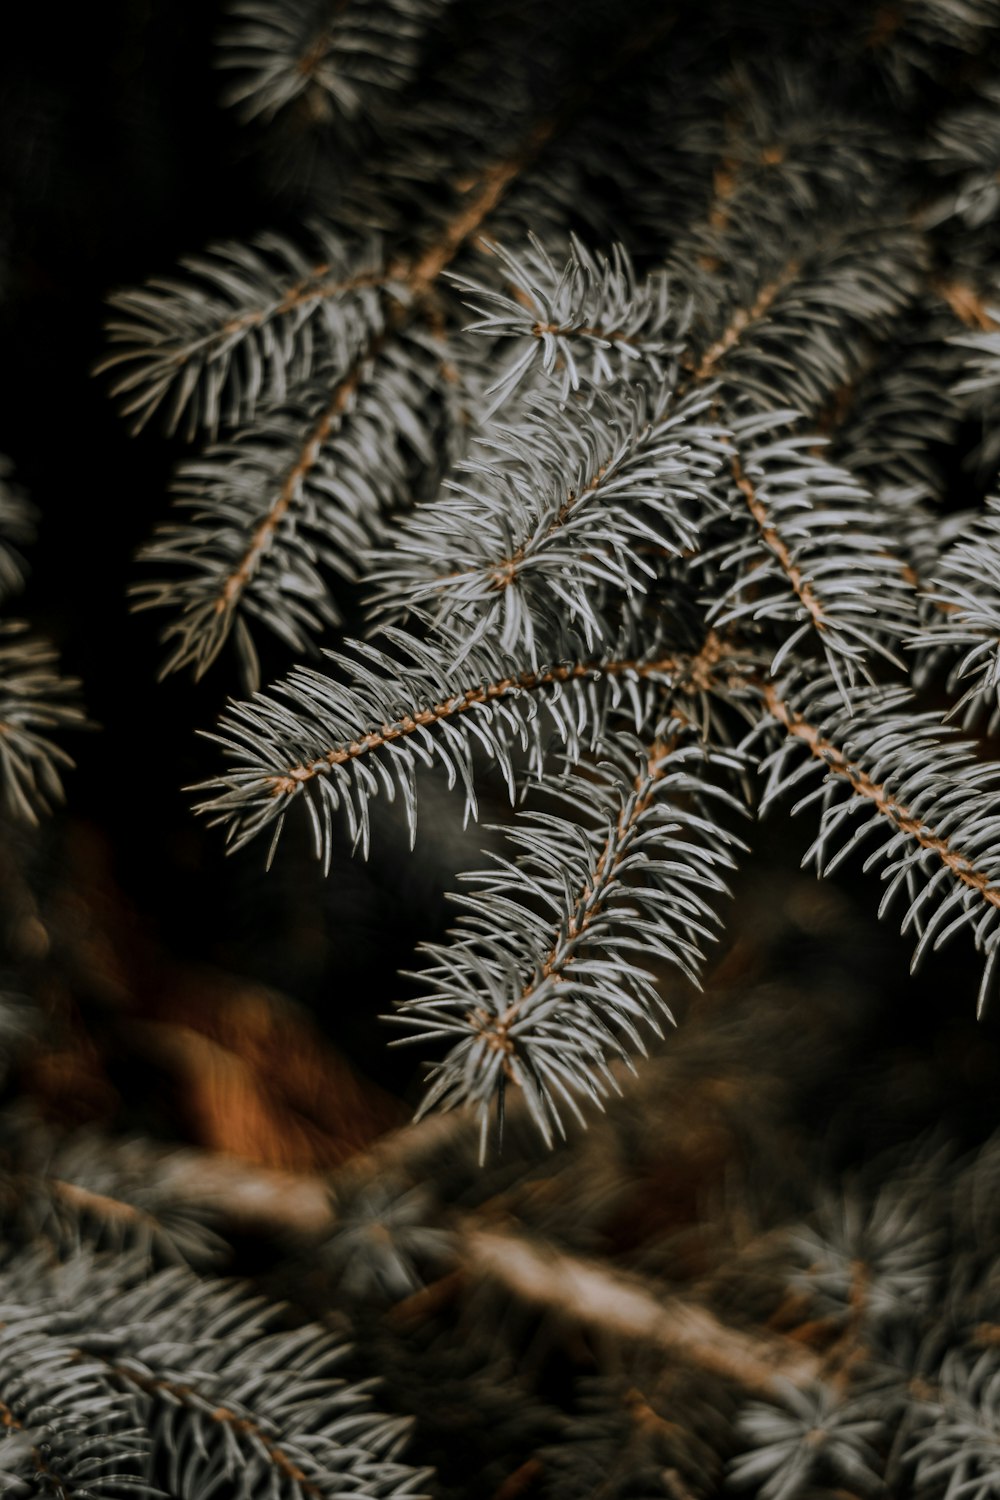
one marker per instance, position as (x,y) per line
(827,301)
(955,1437)
(922,795)
(555,519)
(223,1398)
(589,309)
(606,1302)
(808,247)
(550,596)
(486,196)
(17,528)
(744,317)
(545,1003)
(331,60)
(333,746)
(872,1266)
(279,507)
(928,41)
(965,147)
(815,561)
(33,701)
(965,594)
(811,1437)
(60,1433)
(219,350)
(119,1196)
(256,321)
(858,279)
(223,360)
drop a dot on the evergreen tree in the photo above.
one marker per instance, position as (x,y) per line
(603,447)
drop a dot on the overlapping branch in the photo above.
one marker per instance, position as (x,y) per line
(546,1003)
(894,775)
(335,744)
(260,326)
(220,1395)
(331,61)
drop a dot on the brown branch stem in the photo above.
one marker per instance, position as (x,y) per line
(742,319)
(311,288)
(774,541)
(863,785)
(611,1303)
(689,670)
(82,1200)
(505,572)
(263,532)
(967,305)
(312,55)
(495,181)
(590,900)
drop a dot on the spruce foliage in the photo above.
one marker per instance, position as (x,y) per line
(647,518)
(614,437)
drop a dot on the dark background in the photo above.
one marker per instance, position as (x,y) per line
(115,159)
